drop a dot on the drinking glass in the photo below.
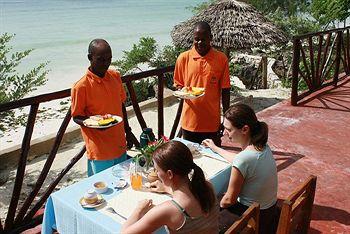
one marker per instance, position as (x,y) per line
(135,176)
(118,172)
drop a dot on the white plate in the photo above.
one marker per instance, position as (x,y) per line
(184,95)
(119,184)
(100,201)
(118,118)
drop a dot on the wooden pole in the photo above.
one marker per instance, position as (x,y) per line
(264,70)
(295,71)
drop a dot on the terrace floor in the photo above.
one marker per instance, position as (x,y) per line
(313,138)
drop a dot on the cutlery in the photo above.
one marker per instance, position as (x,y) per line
(213,157)
(112,210)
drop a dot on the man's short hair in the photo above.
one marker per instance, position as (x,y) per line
(203,25)
(94,43)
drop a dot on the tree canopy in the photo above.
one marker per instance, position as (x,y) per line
(298,16)
(14,86)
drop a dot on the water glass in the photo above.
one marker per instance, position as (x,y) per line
(119,172)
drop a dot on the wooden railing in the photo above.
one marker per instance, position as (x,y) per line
(22,218)
(319,59)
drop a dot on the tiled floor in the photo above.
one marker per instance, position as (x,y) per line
(314,138)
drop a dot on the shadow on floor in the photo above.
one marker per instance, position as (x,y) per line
(330,214)
(334,98)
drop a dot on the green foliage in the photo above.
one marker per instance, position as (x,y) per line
(14,86)
(166,57)
(293,24)
(146,51)
(146,153)
(143,90)
(288,8)
(287,83)
(327,12)
(200,6)
(140,53)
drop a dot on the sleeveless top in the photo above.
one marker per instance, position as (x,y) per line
(201,224)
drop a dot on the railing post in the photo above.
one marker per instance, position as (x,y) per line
(295,71)
(130,137)
(347,50)
(45,169)
(264,70)
(337,57)
(21,167)
(160,98)
(177,119)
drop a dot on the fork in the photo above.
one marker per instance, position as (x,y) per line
(112,210)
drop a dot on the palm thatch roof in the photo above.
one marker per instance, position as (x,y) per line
(234,24)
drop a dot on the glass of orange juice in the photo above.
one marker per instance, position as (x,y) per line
(136,181)
(135,176)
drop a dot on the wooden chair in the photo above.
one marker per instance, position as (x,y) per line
(296,209)
(248,222)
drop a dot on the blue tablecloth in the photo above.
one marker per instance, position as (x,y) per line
(64,213)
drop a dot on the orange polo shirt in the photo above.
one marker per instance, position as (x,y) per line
(93,95)
(211,72)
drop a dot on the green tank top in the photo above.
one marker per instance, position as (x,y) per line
(201,224)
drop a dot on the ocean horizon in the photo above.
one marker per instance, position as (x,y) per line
(59,31)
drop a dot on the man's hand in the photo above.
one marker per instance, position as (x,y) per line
(80,119)
(178,87)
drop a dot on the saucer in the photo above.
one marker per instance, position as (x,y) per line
(100,201)
(119,184)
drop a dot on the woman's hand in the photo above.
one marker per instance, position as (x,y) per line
(158,187)
(226,201)
(143,207)
(209,143)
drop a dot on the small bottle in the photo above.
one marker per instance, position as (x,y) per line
(146,137)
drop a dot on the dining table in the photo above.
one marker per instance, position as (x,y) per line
(64,213)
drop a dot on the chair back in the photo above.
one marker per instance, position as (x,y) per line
(248,222)
(296,209)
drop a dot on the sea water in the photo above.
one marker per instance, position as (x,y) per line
(59,31)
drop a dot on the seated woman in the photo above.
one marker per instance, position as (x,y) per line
(192,208)
(254,173)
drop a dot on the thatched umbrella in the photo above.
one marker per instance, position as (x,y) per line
(234,24)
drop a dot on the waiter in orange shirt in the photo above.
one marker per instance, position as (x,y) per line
(206,67)
(99,92)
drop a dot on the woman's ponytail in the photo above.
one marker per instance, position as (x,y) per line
(202,189)
(259,135)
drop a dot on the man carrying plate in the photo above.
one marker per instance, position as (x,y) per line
(204,67)
(100,92)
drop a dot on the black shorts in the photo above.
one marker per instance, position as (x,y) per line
(268,218)
(198,137)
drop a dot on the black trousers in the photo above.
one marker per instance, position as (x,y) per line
(198,137)
(267,219)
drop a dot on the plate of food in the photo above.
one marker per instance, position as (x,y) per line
(91,200)
(190,92)
(102,121)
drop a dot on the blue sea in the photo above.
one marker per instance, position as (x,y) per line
(59,31)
